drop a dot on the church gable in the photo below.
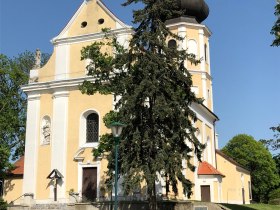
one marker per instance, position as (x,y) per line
(91,17)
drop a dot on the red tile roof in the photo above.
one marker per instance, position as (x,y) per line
(19,167)
(205,168)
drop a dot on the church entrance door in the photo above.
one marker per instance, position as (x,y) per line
(205,193)
(89,189)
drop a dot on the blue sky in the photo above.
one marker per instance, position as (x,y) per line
(245,68)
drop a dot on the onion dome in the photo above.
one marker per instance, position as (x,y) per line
(197,9)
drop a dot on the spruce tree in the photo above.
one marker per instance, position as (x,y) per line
(155,90)
(276,28)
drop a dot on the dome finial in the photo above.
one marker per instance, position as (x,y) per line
(197,9)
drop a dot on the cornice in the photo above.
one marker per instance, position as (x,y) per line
(53,86)
(205,111)
(191,25)
(90,37)
(208,76)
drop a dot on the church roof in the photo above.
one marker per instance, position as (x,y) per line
(19,167)
(206,168)
(197,9)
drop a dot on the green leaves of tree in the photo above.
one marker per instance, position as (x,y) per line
(276,28)
(255,157)
(14,72)
(155,97)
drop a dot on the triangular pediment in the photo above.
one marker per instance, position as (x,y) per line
(90,18)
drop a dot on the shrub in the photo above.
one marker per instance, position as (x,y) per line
(3,204)
(274,194)
(274,201)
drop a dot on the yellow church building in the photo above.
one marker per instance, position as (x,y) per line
(63,125)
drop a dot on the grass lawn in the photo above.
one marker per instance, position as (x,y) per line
(252,206)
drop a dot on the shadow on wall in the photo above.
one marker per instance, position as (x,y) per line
(8,186)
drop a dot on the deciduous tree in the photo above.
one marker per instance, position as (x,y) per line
(13,74)
(254,156)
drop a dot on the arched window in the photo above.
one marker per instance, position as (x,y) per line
(192,47)
(92,128)
(172,44)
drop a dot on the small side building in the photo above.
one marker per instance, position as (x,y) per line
(13,182)
(236,185)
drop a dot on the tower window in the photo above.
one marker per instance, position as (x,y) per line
(172,44)
(83,24)
(92,128)
(205,53)
(100,21)
(192,47)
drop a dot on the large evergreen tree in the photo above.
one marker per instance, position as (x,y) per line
(155,90)
(276,27)
(254,156)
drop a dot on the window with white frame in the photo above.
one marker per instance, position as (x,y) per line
(92,129)
(89,128)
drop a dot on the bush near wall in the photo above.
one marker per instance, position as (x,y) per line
(3,204)
(274,197)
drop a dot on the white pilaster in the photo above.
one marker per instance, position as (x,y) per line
(209,58)
(204,158)
(204,88)
(123,40)
(62,62)
(31,144)
(182,32)
(201,49)
(182,45)
(59,140)
(202,64)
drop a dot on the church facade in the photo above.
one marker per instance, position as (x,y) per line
(63,125)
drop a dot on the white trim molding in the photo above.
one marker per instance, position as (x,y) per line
(91,37)
(31,144)
(82,129)
(97,165)
(64,32)
(59,138)
(190,25)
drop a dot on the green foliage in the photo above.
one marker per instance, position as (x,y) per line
(251,206)
(276,158)
(13,74)
(155,90)
(274,194)
(3,204)
(273,144)
(255,157)
(276,28)
(4,157)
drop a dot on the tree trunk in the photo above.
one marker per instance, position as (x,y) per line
(152,197)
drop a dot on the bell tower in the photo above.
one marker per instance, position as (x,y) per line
(195,36)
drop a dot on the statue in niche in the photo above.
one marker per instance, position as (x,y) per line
(37,59)
(46,131)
